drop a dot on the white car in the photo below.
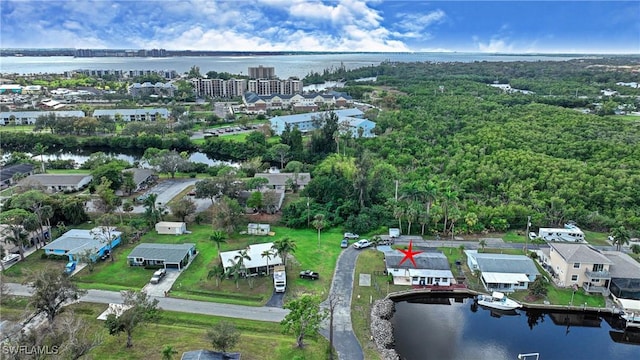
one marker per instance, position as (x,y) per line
(351,236)
(361,244)
(533,236)
(9,259)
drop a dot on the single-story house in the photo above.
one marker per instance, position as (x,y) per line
(579,264)
(7,173)
(625,275)
(432,268)
(75,242)
(169,256)
(258,229)
(258,263)
(58,182)
(503,272)
(32,237)
(171,228)
(209,355)
(142,177)
(281,181)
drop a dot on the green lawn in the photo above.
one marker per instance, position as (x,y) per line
(17,128)
(371,262)
(21,270)
(596,238)
(186,332)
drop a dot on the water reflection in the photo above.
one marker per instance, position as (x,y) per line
(437,329)
(80,157)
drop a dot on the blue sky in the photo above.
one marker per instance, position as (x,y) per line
(306,25)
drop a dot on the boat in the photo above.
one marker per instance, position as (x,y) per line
(632,319)
(498,300)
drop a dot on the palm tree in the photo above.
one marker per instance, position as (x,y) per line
(621,237)
(18,237)
(240,258)
(40,149)
(283,247)
(318,223)
(235,271)
(376,240)
(218,237)
(267,254)
(482,244)
(216,272)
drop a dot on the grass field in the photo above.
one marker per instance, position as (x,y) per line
(17,128)
(185,332)
(33,263)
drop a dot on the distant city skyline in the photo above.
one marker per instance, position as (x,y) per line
(306,25)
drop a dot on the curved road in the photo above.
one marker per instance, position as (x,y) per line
(344,340)
(166,303)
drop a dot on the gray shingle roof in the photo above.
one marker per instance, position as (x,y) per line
(140,175)
(280,179)
(7,173)
(623,266)
(579,253)
(56,179)
(425,260)
(169,253)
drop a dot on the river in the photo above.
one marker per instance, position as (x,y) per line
(285,65)
(454,331)
(81,156)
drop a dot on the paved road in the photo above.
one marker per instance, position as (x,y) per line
(344,340)
(270,314)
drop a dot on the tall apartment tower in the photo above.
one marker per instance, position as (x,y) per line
(262,72)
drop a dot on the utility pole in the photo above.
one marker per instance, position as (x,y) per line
(307,212)
(526,235)
(396,190)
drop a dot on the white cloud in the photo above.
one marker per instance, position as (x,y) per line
(417,22)
(495,45)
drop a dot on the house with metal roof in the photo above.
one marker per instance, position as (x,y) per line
(581,265)
(431,269)
(74,243)
(168,256)
(133,114)
(258,263)
(281,181)
(30,117)
(8,172)
(57,182)
(503,272)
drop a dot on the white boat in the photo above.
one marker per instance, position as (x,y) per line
(632,319)
(499,301)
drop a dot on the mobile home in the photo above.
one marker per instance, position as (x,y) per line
(558,234)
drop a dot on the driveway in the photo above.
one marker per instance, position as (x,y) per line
(162,288)
(344,340)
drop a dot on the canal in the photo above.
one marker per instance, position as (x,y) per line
(457,329)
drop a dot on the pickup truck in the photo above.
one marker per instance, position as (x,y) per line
(308,274)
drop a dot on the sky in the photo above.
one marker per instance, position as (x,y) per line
(316,25)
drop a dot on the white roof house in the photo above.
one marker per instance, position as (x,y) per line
(502,272)
(309,121)
(431,268)
(30,117)
(133,114)
(257,261)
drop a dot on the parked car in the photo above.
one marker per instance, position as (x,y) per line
(309,274)
(533,235)
(158,275)
(344,243)
(361,244)
(70,267)
(351,236)
(10,259)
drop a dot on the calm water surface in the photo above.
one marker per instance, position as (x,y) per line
(455,331)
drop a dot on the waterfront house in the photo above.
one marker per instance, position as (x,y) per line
(74,243)
(579,264)
(57,182)
(502,272)
(30,117)
(168,256)
(625,276)
(257,264)
(431,269)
